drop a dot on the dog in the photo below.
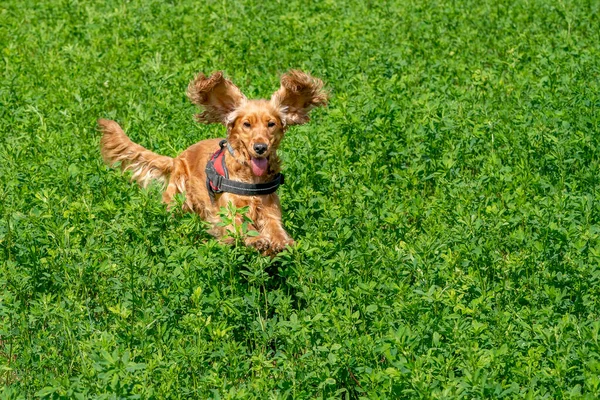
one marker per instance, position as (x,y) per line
(242,169)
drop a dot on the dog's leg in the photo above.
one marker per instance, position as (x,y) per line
(272,227)
(260,242)
(278,237)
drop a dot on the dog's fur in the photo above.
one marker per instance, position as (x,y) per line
(248,122)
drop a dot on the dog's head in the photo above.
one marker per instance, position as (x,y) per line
(255,127)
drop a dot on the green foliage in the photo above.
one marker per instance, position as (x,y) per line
(445,204)
(236,218)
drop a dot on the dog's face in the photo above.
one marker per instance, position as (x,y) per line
(255,130)
(255,127)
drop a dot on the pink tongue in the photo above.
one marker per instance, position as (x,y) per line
(259,166)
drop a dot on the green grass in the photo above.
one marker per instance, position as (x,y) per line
(446,203)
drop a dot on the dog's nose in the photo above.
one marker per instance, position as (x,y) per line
(260,148)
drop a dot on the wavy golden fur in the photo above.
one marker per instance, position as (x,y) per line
(254,130)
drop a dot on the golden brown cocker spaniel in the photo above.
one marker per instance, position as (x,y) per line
(249,155)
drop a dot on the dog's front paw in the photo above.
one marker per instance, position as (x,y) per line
(260,243)
(277,246)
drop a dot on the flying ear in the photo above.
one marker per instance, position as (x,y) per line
(299,93)
(217,95)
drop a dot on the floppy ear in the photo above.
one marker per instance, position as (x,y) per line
(299,93)
(217,95)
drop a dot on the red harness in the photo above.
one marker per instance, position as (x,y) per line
(218,162)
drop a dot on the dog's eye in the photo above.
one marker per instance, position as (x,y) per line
(271,124)
(247,124)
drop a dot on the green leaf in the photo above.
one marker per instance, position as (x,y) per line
(46,391)
(371,308)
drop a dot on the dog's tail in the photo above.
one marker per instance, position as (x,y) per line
(146,166)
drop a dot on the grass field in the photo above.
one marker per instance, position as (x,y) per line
(446,203)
